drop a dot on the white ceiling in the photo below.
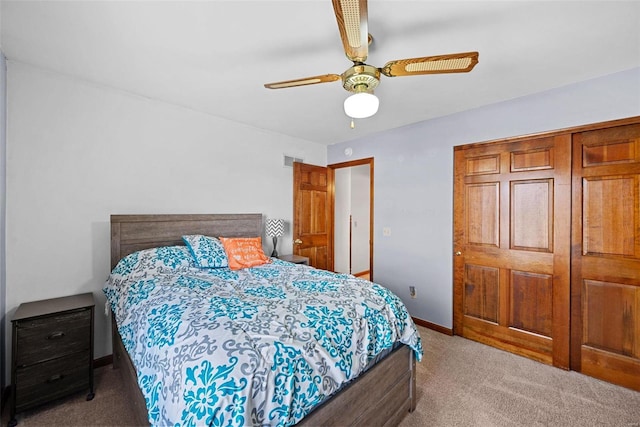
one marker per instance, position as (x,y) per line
(215,56)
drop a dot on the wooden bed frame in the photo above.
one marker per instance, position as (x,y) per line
(381,396)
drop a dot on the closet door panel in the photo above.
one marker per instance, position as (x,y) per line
(532,302)
(605,288)
(511,270)
(611,313)
(482,292)
(533,159)
(608,215)
(482,217)
(532,215)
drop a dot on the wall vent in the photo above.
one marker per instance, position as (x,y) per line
(288,161)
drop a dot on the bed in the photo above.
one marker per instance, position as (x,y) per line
(382,394)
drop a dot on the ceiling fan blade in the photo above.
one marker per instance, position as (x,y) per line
(453,63)
(326,78)
(352,23)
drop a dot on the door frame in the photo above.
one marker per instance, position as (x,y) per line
(332,191)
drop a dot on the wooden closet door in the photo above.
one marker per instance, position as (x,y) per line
(605,289)
(512,223)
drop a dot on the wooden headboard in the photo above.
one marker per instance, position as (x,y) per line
(131,233)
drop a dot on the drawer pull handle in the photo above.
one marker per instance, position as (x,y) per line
(54,378)
(56,335)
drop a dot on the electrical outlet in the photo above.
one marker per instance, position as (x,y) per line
(412,291)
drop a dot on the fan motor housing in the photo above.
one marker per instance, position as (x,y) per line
(361,76)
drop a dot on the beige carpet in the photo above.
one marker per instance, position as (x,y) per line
(463,383)
(108,408)
(460,383)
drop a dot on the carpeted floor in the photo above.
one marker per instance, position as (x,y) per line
(464,383)
(459,383)
(108,408)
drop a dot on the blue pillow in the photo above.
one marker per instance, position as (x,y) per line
(207,252)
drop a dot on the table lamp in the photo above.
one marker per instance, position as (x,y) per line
(275,229)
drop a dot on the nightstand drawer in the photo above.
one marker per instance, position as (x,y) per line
(49,337)
(46,381)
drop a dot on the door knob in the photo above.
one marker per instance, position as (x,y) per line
(297,242)
(458,253)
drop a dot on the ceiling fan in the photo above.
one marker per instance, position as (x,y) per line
(361,79)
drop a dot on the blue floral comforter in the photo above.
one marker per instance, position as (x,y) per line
(259,346)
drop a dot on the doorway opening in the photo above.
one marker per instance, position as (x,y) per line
(353,218)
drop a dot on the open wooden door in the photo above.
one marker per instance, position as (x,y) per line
(312,213)
(605,288)
(512,207)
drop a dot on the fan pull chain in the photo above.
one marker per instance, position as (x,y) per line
(353,125)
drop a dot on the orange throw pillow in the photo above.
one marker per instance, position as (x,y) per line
(244,252)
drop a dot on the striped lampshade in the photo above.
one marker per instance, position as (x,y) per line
(275,227)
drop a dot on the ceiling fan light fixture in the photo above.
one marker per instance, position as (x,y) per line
(362,79)
(361,105)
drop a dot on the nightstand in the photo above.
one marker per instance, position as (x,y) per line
(52,352)
(296,259)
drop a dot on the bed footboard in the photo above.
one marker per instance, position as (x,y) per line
(382,396)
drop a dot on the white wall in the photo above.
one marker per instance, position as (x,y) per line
(414,178)
(342,210)
(3,176)
(78,152)
(360,185)
(351,198)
